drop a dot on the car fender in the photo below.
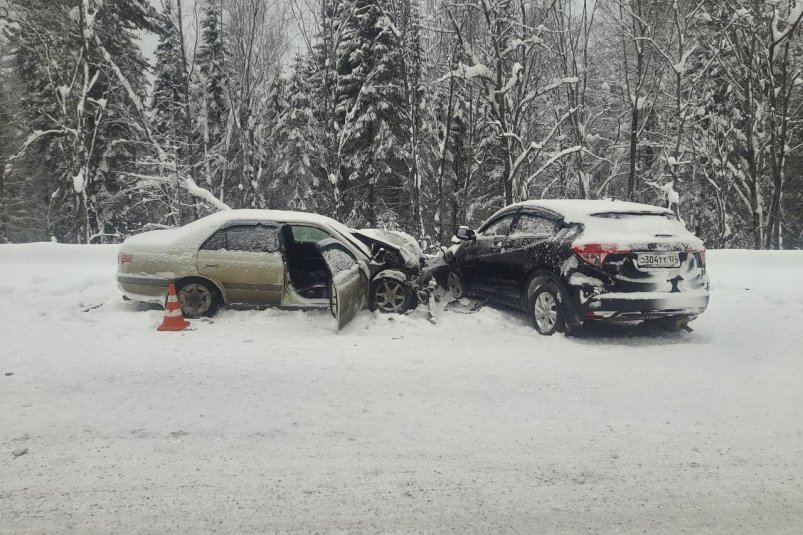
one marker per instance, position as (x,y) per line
(391,274)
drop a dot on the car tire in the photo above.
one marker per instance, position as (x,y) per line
(455,285)
(198,298)
(390,296)
(546,309)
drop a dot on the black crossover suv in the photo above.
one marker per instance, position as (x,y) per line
(566,262)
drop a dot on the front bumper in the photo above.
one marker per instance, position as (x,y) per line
(643,305)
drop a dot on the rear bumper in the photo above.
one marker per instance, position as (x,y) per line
(145,289)
(644,305)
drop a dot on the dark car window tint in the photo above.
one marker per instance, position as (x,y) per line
(304,234)
(499,227)
(215,242)
(253,238)
(532,225)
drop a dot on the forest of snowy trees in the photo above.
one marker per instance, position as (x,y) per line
(418,115)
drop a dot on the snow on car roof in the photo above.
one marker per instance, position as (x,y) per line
(663,226)
(579,210)
(283,216)
(191,233)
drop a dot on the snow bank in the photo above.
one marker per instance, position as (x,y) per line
(270,421)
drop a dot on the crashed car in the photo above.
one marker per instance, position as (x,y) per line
(567,262)
(268,257)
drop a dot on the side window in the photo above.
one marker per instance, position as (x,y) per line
(304,234)
(499,227)
(338,258)
(253,238)
(215,242)
(533,225)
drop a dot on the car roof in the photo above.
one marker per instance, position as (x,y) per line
(579,210)
(222,217)
(279,216)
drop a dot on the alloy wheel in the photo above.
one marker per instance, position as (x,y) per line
(195,299)
(545,312)
(390,296)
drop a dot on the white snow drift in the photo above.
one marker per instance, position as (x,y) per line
(269,421)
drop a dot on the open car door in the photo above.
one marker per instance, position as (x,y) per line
(349,289)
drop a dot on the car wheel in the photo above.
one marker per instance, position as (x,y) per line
(454,284)
(547,311)
(198,299)
(391,296)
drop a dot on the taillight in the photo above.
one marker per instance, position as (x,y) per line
(699,249)
(125,258)
(595,253)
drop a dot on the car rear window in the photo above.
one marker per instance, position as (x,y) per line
(635,223)
(251,238)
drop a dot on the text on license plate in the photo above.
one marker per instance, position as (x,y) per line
(659,260)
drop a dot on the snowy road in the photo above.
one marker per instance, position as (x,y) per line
(269,421)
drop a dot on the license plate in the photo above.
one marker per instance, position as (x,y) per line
(658,260)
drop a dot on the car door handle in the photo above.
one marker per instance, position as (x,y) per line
(212,265)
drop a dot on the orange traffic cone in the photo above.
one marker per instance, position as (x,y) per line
(173,318)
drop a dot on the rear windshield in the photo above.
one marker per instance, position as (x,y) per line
(652,223)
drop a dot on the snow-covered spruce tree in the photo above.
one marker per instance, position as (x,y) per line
(321,129)
(270,137)
(255,42)
(170,78)
(77,109)
(173,111)
(407,16)
(302,180)
(211,61)
(24,186)
(370,128)
(7,134)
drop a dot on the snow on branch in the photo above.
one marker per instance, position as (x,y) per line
(791,21)
(555,157)
(466,73)
(680,66)
(38,134)
(515,79)
(514,44)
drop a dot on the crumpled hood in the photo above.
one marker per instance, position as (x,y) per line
(395,240)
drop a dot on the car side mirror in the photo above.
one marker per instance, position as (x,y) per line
(465,234)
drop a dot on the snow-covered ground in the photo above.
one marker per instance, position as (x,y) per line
(270,421)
